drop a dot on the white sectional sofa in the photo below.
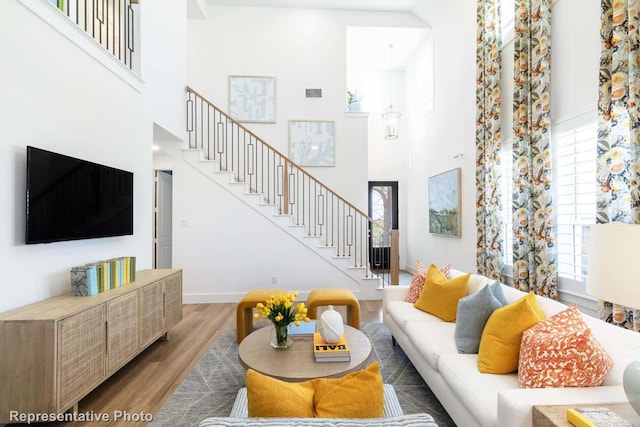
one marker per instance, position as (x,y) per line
(475,399)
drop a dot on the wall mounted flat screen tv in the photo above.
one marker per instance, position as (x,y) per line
(71,199)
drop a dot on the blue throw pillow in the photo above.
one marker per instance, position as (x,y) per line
(496,289)
(472,315)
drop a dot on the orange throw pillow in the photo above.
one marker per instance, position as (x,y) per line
(417,282)
(561,352)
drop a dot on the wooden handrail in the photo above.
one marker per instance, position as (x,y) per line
(286,159)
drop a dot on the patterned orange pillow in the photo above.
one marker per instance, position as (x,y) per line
(561,352)
(417,282)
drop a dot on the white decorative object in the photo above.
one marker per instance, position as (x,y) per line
(613,276)
(331,326)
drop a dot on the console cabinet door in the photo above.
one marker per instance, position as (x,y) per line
(172,300)
(151,312)
(123,340)
(81,355)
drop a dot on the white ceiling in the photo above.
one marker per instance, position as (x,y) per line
(367,47)
(375,5)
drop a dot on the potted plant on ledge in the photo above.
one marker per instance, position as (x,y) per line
(353,100)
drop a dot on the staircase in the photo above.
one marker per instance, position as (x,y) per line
(268,182)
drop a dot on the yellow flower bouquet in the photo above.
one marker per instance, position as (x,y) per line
(280,309)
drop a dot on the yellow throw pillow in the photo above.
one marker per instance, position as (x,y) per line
(356,395)
(268,397)
(440,296)
(500,342)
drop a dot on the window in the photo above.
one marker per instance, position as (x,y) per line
(574,165)
(574,168)
(507,19)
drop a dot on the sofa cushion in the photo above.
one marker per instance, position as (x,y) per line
(432,340)
(473,312)
(500,342)
(414,420)
(623,345)
(561,352)
(440,296)
(392,406)
(478,392)
(402,312)
(417,281)
(476,281)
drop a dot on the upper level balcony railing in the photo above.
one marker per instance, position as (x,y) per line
(111,23)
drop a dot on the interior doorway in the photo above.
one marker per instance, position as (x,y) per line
(162,230)
(383,209)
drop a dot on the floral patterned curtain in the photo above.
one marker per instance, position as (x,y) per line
(488,140)
(618,191)
(534,255)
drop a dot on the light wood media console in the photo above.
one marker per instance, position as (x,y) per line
(54,352)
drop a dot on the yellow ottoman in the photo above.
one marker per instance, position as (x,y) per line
(244,311)
(335,296)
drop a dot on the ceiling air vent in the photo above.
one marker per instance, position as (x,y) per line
(313,93)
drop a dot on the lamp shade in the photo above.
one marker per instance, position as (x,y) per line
(614,263)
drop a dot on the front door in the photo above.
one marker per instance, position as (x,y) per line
(383,209)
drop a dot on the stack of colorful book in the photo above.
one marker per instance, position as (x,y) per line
(336,352)
(93,278)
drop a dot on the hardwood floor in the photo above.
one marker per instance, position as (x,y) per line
(142,386)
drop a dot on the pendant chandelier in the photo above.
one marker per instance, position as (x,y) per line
(390,115)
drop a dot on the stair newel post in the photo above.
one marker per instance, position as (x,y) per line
(285,188)
(395,257)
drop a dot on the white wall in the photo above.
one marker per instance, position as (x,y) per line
(164,62)
(302,48)
(226,248)
(82,110)
(575,58)
(442,133)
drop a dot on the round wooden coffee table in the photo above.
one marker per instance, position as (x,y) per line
(297,362)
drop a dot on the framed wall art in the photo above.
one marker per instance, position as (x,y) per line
(252,99)
(444,203)
(311,142)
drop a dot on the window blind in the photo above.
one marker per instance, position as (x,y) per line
(574,165)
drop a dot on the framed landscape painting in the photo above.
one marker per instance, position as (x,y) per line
(444,203)
(311,142)
(252,99)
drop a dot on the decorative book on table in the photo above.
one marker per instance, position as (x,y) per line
(336,352)
(305,330)
(596,417)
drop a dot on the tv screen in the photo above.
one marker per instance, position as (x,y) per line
(70,199)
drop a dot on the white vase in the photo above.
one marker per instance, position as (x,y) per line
(331,326)
(355,106)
